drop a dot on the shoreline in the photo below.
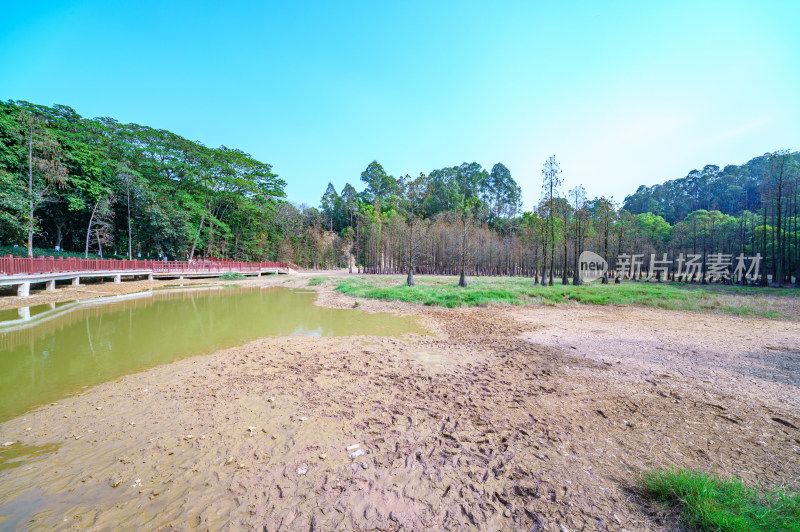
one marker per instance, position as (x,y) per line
(501,418)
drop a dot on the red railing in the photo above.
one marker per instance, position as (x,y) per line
(10,265)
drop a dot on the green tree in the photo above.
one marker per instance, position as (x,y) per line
(329,203)
(380,185)
(551,182)
(45,167)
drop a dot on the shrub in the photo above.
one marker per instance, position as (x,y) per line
(231,276)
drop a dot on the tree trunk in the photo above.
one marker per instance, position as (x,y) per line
(99,244)
(764,246)
(576,278)
(410,279)
(199,228)
(30,193)
(89,231)
(59,235)
(462,280)
(777,245)
(130,233)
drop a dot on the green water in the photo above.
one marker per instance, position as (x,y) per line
(64,349)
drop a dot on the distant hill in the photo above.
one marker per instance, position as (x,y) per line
(732,190)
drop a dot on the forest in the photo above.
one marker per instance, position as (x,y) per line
(97,186)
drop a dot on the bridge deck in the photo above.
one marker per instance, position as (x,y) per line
(23,272)
(11,280)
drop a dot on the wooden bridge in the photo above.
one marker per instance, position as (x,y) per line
(22,272)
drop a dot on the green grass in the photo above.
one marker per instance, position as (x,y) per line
(316,281)
(710,503)
(232,276)
(483,291)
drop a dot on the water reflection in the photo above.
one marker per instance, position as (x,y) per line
(66,348)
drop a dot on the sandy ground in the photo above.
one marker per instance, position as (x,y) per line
(535,418)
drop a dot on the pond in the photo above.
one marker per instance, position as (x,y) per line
(52,351)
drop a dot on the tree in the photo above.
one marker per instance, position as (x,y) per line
(551,172)
(329,201)
(605,217)
(777,178)
(45,168)
(565,210)
(100,221)
(127,177)
(349,201)
(413,193)
(504,196)
(465,212)
(577,196)
(379,184)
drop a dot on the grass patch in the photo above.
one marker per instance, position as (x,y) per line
(483,291)
(316,281)
(232,276)
(710,503)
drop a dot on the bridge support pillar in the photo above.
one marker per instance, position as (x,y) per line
(180,278)
(50,286)
(24,289)
(149,276)
(76,281)
(259,273)
(117,278)
(24,313)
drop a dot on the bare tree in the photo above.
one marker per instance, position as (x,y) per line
(413,193)
(605,214)
(100,221)
(551,172)
(578,198)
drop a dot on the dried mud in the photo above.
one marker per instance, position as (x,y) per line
(534,418)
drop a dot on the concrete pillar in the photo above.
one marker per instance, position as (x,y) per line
(181,278)
(24,313)
(24,290)
(50,286)
(76,281)
(117,278)
(149,276)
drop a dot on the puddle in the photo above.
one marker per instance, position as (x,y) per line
(62,350)
(17,454)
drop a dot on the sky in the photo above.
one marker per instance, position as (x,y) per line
(622,93)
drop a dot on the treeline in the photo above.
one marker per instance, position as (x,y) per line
(95,185)
(731,190)
(465,220)
(78,184)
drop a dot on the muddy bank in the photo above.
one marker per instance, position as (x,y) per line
(504,418)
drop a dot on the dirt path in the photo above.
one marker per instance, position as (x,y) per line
(536,418)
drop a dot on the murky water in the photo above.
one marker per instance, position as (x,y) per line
(63,349)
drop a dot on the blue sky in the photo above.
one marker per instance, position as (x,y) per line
(624,94)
